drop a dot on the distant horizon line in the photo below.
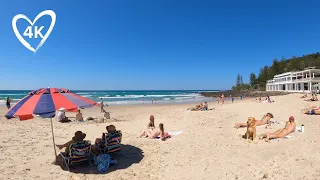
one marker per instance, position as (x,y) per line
(123,90)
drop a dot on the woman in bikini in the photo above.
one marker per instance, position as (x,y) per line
(150,127)
(157,132)
(266,120)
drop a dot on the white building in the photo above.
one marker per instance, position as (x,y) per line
(301,81)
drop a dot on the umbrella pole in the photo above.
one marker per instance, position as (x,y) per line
(54,144)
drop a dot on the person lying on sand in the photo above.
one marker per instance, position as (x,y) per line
(78,137)
(304,96)
(197,108)
(266,120)
(154,133)
(290,127)
(312,111)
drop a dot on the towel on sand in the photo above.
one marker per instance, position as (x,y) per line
(171,134)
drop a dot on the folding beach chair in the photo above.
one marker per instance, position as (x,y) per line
(113,143)
(78,153)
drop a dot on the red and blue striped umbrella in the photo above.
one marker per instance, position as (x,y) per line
(44,102)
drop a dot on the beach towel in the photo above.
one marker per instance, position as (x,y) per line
(171,134)
(275,121)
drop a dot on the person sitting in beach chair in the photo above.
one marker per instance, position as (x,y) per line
(77,150)
(266,120)
(110,142)
(290,127)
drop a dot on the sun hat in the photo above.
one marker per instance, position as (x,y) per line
(62,109)
(79,136)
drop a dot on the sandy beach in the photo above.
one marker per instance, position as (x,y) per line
(208,148)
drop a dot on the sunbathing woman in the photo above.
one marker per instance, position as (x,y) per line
(266,120)
(151,122)
(313,111)
(154,133)
(150,127)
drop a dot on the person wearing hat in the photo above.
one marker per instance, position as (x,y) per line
(112,139)
(62,115)
(290,127)
(78,137)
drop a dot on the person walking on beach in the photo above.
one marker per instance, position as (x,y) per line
(232,99)
(101,106)
(222,97)
(8,103)
(218,99)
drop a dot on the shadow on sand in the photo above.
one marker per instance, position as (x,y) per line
(132,155)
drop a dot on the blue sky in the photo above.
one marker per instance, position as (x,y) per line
(154,44)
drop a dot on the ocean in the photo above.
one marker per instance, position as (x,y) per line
(124,97)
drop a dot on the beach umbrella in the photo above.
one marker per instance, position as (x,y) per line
(45,101)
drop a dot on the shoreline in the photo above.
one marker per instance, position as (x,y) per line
(208,147)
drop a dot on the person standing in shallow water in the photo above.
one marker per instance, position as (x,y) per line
(8,103)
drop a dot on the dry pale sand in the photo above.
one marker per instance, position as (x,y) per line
(209,148)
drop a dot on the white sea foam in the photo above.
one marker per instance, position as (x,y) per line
(12,94)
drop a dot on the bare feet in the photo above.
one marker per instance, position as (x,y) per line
(262,136)
(237,125)
(59,146)
(268,137)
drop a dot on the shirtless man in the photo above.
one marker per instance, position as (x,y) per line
(266,120)
(290,127)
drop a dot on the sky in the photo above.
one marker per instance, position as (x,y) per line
(153,44)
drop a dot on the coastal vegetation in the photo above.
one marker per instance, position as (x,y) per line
(258,82)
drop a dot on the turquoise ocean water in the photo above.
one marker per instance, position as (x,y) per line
(124,97)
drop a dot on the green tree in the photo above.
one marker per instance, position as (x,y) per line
(238,80)
(284,65)
(253,79)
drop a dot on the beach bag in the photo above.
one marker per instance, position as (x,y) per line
(103,162)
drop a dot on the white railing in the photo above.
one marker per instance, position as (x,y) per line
(295,80)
